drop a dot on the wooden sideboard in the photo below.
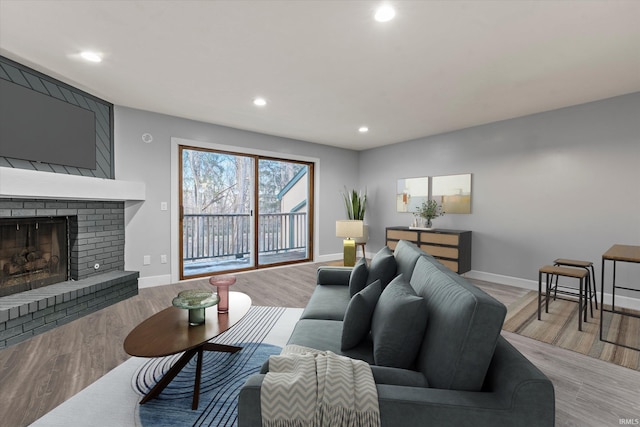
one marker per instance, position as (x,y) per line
(451,247)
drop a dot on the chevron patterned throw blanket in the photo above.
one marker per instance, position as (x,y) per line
(309,388)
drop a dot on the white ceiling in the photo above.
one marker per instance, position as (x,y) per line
(326,67)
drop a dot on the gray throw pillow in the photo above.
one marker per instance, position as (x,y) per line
(398,325)
(358,277)
(357,319)
(383,266)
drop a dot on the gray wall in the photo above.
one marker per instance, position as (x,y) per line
(148,228)
(563,183)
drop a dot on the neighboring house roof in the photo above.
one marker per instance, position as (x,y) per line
(291,183)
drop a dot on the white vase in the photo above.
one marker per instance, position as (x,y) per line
(422,223)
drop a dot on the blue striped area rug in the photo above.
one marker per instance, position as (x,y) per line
(223,374)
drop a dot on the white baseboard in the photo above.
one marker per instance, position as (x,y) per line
(621,301)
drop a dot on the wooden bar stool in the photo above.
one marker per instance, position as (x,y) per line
(576,273)
(591,278)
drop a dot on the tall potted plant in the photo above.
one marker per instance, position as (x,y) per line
(356,204)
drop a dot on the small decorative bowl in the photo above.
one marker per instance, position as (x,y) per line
(195,301)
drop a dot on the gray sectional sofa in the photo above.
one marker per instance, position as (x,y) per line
(433,342)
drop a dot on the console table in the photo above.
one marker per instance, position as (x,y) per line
(617,253)
(451,247)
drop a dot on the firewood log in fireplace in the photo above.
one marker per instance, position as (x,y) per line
(38,264)
(12,268)
(19,259)
(34,255)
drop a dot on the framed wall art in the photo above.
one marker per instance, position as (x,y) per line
(411,192)
(452,192)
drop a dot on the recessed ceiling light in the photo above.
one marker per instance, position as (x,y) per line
(260,102)
(384,13)
(363,129)
(91,56)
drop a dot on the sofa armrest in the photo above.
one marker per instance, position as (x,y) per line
(249,412)
(330,275)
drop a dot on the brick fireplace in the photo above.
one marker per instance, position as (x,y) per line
(91,201)
(94,277)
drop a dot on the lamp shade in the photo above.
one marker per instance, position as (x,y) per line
(349,228)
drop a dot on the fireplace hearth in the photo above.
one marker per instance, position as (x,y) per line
(68,257)
(33,253)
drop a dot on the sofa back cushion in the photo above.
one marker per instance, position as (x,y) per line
(383,267)
(406,255)
(398,325)
(357,319)
(463,327)
(358,277)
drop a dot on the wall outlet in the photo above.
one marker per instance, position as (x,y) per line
(163,206)
(163,259)
(146,260)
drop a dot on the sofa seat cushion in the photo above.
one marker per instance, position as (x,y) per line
(462,330)
(396,376)
(327,302)
(357,319)
(326,335)
(398,325)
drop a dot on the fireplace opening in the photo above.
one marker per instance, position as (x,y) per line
(34,252)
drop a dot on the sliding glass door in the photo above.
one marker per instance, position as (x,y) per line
(283,194)
(242,212)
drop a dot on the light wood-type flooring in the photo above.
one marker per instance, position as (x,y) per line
(39,374)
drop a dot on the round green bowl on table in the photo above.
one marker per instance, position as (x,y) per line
(195,301)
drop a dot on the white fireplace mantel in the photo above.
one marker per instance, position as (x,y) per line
(22,183)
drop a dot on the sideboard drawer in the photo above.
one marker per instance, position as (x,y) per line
(411,236)
(441,251)
(441,239)
(451,265)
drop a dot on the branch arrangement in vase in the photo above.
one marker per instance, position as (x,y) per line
(428,210)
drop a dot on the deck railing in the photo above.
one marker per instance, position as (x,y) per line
(209,236)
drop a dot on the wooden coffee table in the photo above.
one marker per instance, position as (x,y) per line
(168,332)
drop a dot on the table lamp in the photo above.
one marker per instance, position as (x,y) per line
(349,229)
